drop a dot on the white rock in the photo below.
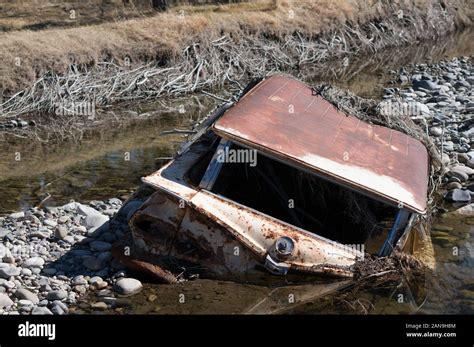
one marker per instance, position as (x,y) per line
(128,286)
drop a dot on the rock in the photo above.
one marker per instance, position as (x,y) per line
(60,232)
(463,158)
(23,293)
(34,262)
(95,221)
(50,223)
(436,131)
(94,264)
(93,218)
(79,229)
(463,177)
(79,280)
(425,84)
(63,219)
(467,210)
(130,208)
(69,239)
(50,271)
(128,286)
(98,283)
(440,227)
(100,306)
(453,185)
(115,201)
(4,232)
(26,272)
(40,234)
(17,215)
(470,163)
(458,195)
(5,301)
(39,310)
(100,246)
(57,295)
(8,271)
(461,168)
(448,146)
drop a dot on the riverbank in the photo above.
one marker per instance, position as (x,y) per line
(59,256)
(178,53)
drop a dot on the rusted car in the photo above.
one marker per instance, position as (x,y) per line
(283,183)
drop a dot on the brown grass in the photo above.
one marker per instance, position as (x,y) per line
(27,55)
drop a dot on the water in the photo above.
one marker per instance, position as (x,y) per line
(111,159)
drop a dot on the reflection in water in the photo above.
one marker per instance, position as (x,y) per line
(111,159)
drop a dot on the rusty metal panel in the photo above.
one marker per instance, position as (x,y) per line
(281,117)
(259,233)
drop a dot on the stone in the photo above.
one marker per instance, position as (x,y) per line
(4,232)
(453,185)
(463,177)
(458,195)
(23,293)
(470,163)
(100,306)
(425,84)
(79,280)
(467,210)
(34,262)
(128,286)
(436,131)
(5,301)
(94,264)
(40,234)
(100,246)
(463,158)
(8,271)
(50,271)
(50,223)
(57,295)
(60,232)
(17,215)
(95,221)
(40,310)
(63,219)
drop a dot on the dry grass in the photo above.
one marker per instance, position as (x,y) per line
(27,55)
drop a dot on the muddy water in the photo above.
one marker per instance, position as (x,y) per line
(110,160)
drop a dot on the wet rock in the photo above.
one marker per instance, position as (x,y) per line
(128,286)
(23,293)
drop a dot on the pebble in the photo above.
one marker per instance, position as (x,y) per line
(128,286)
(34,262)
(23,293)
(57,295)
